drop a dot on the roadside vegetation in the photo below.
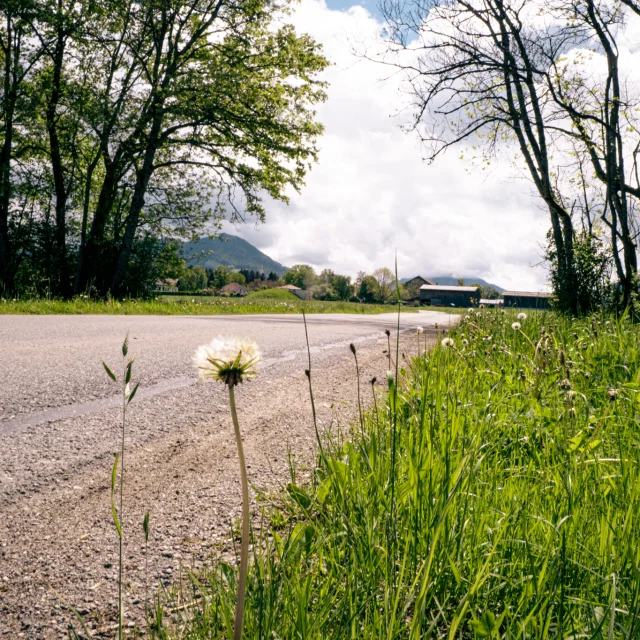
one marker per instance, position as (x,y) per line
(198,305)
(492,492)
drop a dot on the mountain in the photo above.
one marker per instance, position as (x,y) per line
(229,251)
(449,280)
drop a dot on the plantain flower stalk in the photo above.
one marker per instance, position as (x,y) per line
(232,361)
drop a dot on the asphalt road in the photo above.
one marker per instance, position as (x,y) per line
(50,365)
(59,428)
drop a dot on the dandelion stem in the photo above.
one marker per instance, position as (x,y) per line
(353,350)
(244,549)
(308,373)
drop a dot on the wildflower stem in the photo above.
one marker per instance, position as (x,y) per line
(353,350)
(244,548)
(308,372)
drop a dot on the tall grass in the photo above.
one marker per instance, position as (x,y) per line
(515,508)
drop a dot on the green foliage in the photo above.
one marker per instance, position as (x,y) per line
(103,105)
(386,280)
(592,274)
(300,275)
(152,259)
(368,290)
(514,513)
(236,276)
(193,279)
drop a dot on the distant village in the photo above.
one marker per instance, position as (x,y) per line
(304,283)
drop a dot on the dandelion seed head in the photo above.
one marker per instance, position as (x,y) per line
(516,326)
(448,342)
(228,360)
(465,342)
(522,316)
(419,329)
(470,309)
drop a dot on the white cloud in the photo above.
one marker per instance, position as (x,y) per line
(371,195)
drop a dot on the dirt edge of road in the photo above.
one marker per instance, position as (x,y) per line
(58,543)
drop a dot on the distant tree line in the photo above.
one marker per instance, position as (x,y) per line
(126,122)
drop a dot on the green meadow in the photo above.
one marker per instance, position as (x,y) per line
(491,492)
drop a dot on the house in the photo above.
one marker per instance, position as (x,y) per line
(527,299)
(449,296)
(303,294)
(168,285)
(234,289)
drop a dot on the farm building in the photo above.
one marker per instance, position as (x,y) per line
(527,299)
(449,296)
(411,288)
(491,302)
(234,289)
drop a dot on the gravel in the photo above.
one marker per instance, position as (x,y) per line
(59,429)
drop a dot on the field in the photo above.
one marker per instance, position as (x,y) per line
(491,493)
(189,305)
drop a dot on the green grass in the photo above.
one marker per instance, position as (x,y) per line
(178,305)
(273,294)
(495,494)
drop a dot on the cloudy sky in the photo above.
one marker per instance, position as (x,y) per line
(372,196)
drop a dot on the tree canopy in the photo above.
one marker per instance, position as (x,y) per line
(121,119)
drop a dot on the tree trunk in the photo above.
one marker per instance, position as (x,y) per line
(7,273)
(143,176)
(62,277)
(90,253)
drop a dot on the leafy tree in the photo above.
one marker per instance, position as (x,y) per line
(323,291)
(218,277)
(343,287)
(368,290)
(152,260)
(490,293)
(144,118)
(236,276)
(300,275)
(593,271)
(386,283)
(193,279)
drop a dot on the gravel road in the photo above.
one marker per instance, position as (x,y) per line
(59,426)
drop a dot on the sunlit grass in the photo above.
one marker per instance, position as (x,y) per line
(495,495)
(188,306)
